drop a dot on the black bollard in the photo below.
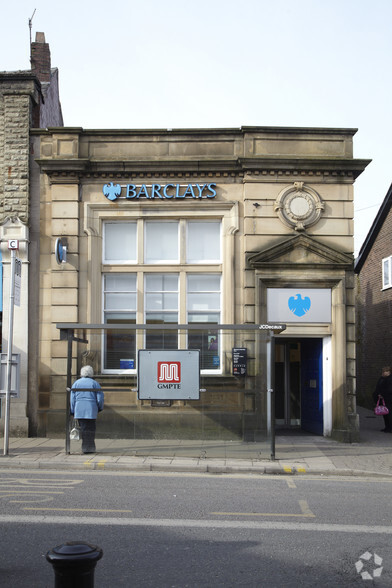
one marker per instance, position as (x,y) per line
(74,564)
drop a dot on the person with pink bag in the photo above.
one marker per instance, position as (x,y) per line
(382,396)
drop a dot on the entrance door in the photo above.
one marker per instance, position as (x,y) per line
(298,384)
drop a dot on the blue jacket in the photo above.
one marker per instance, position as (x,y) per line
(86,404)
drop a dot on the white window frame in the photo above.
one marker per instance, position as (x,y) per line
(181,267)
(387,261)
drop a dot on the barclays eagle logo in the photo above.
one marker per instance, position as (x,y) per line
(111,191)
(298,305)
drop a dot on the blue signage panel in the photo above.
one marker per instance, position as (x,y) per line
(299,305)
(168,375)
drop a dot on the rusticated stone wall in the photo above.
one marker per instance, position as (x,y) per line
(19,96)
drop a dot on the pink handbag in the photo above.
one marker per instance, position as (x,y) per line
(381,409)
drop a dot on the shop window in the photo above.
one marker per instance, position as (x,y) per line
(119,242)
(203,306)
(161,308)
(203,242)
(161,242)
(119,293)
(387,272)
(155,298)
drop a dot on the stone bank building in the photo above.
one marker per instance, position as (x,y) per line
(238,226)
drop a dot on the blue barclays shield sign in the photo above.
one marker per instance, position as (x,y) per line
(300,305)
(168,375)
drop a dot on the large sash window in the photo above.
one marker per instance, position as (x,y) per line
(135,292)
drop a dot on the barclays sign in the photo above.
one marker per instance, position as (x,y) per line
(300,305)
(161,191)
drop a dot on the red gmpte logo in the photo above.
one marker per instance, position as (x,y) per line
(169,371)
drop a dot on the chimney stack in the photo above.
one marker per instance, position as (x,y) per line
(40,58)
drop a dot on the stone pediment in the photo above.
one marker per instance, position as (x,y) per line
(301,250)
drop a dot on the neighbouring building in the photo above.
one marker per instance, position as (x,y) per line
(373,267)
(28,99)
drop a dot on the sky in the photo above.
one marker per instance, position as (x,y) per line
(221,63)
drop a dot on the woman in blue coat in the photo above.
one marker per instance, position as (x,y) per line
(86,401)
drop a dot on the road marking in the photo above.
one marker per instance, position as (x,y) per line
(38,482)
(12,492)
(304,506)
(290,483)
(305,513)
(201,524)
(77,509)
(295,470)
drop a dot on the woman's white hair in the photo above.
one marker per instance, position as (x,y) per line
(87,371)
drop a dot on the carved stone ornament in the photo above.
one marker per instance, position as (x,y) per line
(299,206)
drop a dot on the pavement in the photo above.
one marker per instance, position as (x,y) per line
(296,453)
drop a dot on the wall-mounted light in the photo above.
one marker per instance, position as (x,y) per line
(61,250)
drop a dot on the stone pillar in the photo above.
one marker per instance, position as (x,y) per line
(64,295)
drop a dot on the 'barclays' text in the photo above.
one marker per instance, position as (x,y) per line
(162,191)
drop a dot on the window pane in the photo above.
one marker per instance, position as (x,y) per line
(120,282)
(158,318)
(158,301)
(207,317)
(161,339)
(120,292)
(204,295)
(119,242)
(160,242)
(203,292)
(203,301)
(121,301)
(161,291)
(161,282)
(203,282)
(161,296)
(203,242)
(209,345)
(386,264)
(119,307)
(120,346)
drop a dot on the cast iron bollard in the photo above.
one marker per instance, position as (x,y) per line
(74,563)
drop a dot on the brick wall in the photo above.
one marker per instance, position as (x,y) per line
(40,58)
(374,317)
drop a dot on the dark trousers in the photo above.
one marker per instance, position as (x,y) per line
(388,421)
(87,430)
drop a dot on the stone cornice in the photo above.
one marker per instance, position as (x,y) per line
(230,166)
(239,131)
(305,164)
